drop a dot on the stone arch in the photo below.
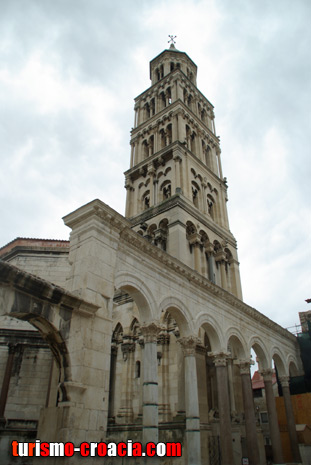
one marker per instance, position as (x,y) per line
(195,188)
(212,329)
(261,352)
(180,313)
(134,327)
(190,229)
(146,200)
(166,189)
(56,342)
(117,333)
(151,231)
(237,343)
(140,293)
(279,362)
(211,206)
(204,236)
(292,366)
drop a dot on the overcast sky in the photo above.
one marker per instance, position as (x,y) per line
(69,71)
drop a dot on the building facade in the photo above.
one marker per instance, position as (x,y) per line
(143,315)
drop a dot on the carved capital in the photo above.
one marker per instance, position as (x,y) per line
(163,338)
(194,239)
(127,346)
(284,380)
(244,366)
(220,256)
(150,331)
(220,359)
(267,374)
(188,344)
(209,248)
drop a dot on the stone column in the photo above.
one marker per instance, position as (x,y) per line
(291,424)
(220,258)
(204,199)
(194,241)
(150,333)
(126,411)
(112,380)
(177,159)
(231,387)
(151,173)
(273,419)
(209,249)
(181,128)
(220,362)
(6,382)
(249,412)
(163,356)
(174,128)
(191,400)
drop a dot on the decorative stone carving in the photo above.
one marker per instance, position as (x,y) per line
(244,366)
(189,344)
(127,346)
(284,380)
(267,374)
(150,331)
(219,359)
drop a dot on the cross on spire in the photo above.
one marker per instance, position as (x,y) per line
(172,41)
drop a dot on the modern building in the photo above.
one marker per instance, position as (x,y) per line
(141,332)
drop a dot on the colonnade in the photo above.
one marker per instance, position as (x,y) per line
(222,363)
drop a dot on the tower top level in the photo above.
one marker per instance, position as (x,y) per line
(168,61)
(176,192)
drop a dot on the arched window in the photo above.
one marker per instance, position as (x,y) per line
(169,134)
(146,200)
(195,194)
(145,149)
(211,206)
(166,189)
(162,139)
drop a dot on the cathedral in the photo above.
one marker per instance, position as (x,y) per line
(135,328)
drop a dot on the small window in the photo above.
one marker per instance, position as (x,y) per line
(137,369)
(264,417)
(257,392)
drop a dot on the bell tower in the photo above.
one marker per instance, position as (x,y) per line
(176,192)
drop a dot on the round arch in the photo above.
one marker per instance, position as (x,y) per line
(237,342)
(180,313)
(54,339)
(292,366)
(279,362)
(213,331)
(261,352)
(140,293)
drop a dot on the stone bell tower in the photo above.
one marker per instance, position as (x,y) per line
(176,192)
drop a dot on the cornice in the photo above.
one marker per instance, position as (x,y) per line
(97,209)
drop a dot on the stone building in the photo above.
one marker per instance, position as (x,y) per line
(143,331)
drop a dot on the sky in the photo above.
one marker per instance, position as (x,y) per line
(69,71)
